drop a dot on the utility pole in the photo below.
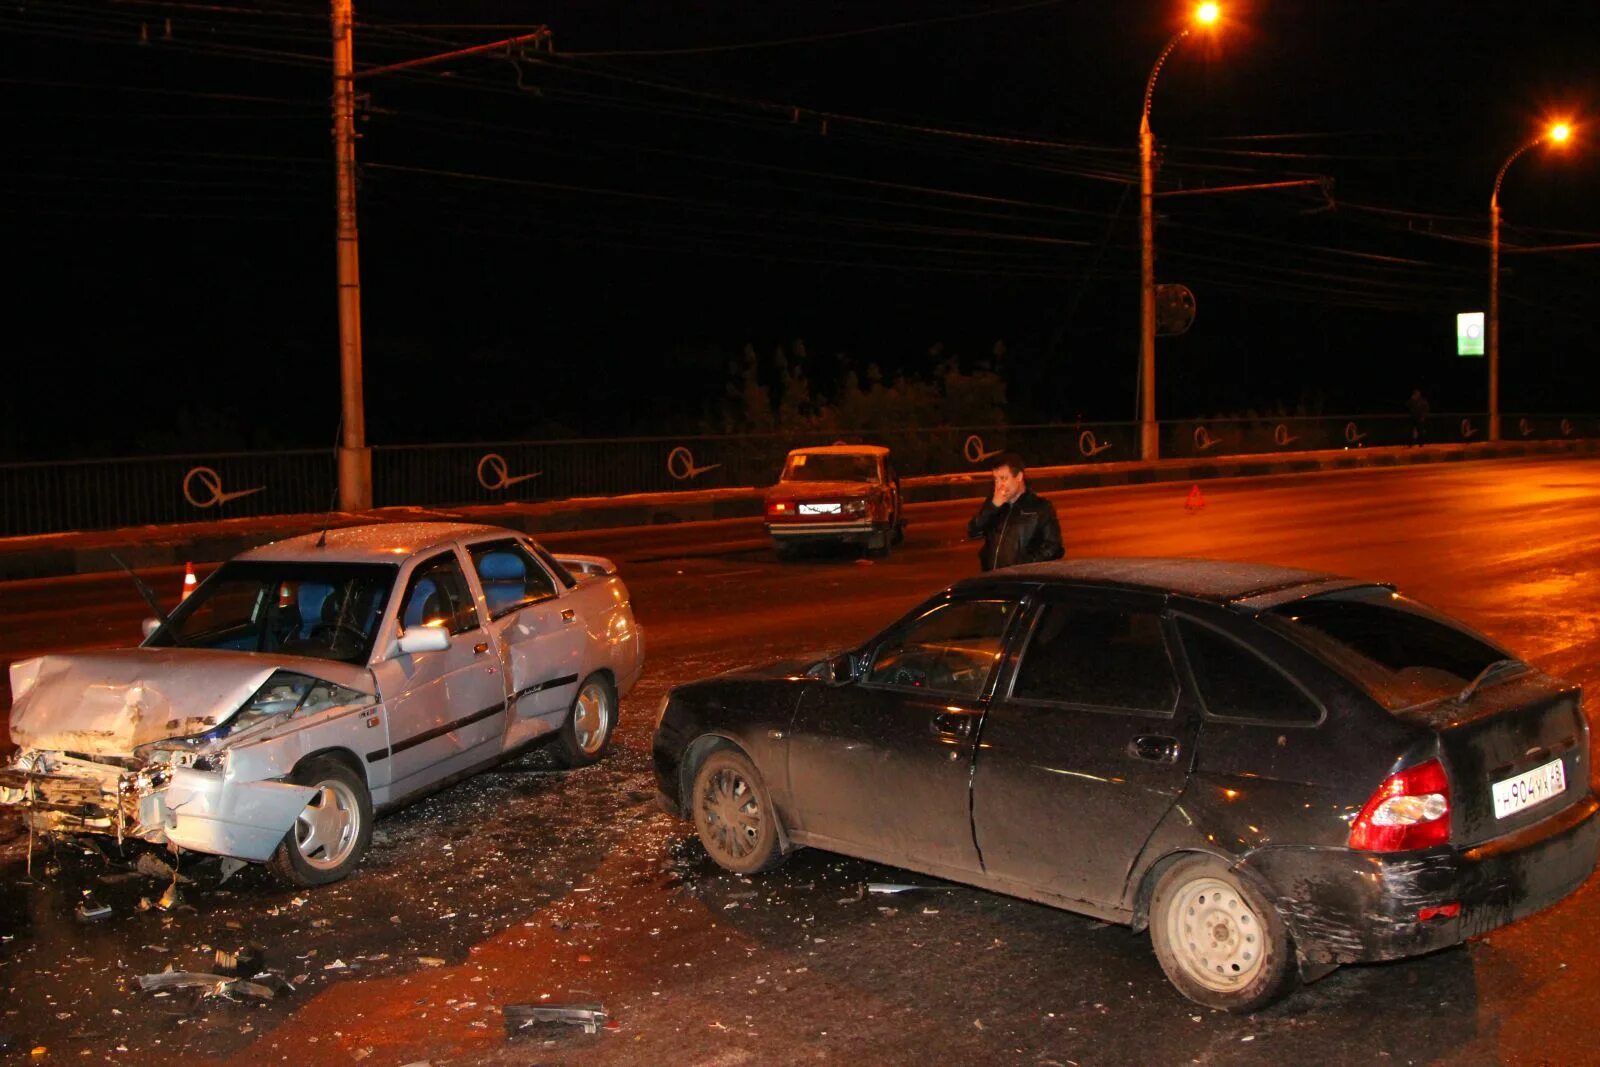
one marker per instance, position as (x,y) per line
(355,458)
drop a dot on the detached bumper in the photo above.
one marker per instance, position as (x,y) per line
(1344,906)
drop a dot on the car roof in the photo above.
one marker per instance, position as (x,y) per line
(1255,586)
(841,450)
(383,542)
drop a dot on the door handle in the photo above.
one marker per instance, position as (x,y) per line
(1155,748)
(954,723)
(567,614)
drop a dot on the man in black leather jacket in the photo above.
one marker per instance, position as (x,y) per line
(1016,524)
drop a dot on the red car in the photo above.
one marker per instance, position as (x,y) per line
(846,494)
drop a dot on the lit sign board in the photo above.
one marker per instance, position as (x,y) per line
(1469,333)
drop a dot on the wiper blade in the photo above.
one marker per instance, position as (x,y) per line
(1499,666)
(144,590)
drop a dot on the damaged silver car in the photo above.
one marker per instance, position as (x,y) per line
(311,682)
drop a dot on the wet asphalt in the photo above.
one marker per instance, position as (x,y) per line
(529,885)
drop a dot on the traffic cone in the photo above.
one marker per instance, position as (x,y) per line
(1195,501)
(189,582)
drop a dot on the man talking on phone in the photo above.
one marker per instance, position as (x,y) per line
(1016,524)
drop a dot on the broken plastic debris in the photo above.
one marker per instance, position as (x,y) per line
(430,961)
(171,898)
(230,867)
(153,866)
(91,910)
(244,963)
(209,984)
(900,887)
(523,1018)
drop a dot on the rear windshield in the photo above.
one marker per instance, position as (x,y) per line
(830,467)
(1397,650)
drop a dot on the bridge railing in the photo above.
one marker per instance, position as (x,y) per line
(49,497)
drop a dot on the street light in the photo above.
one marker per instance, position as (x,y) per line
(1558,133)
(1149,440)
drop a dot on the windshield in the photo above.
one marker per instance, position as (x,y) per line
(1398,651)
(324,610)
(830,467)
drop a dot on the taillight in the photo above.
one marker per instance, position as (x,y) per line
(1411,809)
(780,507)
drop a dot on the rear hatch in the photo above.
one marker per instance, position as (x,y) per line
(1517,752)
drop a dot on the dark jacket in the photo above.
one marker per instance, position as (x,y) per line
(1023,531)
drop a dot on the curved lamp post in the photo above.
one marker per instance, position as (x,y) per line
(1556,134)
(1149,440)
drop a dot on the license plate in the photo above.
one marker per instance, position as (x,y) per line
(1511,795)
(821,509)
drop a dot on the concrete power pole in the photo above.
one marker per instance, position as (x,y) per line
(355,458)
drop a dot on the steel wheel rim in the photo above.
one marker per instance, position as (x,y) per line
(326,829)
(591,718)
(731,814)
(1216,937)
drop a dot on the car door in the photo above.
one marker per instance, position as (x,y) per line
(446,707)
(540,634)
(1085,747)
(881,765)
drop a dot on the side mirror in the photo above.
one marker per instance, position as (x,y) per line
(150,625)
(424,639)
(840,670)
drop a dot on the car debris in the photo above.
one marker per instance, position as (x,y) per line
(901,887)
(153,866)
(522,1018)
(91,910)
(211,985)
(244,963)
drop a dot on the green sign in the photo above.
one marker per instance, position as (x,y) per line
(1469,333)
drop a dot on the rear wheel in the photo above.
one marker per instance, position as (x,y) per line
(1219,941)
(733,814)
(586,734)
(333,830)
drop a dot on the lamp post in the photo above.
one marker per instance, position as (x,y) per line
(1149,439)
(1556,134)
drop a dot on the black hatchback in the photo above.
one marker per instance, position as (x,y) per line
(1275,771)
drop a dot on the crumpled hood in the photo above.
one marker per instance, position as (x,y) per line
(110,703)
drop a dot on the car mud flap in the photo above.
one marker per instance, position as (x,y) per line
(246,820)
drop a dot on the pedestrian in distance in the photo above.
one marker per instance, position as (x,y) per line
(1418,406)
(1017,525)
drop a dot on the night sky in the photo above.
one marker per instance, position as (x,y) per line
(579,242)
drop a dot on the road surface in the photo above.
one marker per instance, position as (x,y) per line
(528,883)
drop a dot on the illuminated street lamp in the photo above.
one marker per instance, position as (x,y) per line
(1557,134)
(1149,441)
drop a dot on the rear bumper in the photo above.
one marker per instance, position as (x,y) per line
(1343,906)
(822,530)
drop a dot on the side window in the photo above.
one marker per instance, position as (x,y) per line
(510,576)
(437,596)
(1235,683)
(950,649)
(554,566)
(1103,656)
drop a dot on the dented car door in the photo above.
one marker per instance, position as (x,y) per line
(444,707)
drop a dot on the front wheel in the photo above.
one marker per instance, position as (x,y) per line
(733,814)
(1219,941)
(333,830)
(586,733)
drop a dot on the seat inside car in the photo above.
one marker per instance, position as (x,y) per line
(505,580)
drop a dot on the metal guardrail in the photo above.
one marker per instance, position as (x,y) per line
(43,498)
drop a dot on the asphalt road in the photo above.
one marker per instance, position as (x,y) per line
(528,883)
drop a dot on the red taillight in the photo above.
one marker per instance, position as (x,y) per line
(779,507)
(1411,809)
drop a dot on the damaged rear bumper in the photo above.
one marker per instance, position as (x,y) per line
(1344,906)
(198,810)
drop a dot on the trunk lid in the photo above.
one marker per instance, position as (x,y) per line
(1509,734)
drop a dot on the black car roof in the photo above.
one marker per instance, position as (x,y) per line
(1259,585)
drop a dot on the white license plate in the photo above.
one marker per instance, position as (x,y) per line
(821,509)
(1511,795)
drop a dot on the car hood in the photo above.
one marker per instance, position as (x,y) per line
(110,703)
(784,668)
(813,490)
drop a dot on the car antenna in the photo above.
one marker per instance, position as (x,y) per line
(333,498)
(144,590)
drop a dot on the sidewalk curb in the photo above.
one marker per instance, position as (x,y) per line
(149,547)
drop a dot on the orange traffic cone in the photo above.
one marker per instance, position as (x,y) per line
(1195,501)
(189,582)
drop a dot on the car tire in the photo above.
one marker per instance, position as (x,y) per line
(733,814)
(331,834)
(585,735)
(1219,940)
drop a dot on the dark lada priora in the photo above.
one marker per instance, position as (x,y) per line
(1273,771)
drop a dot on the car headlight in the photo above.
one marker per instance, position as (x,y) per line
(854,507)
